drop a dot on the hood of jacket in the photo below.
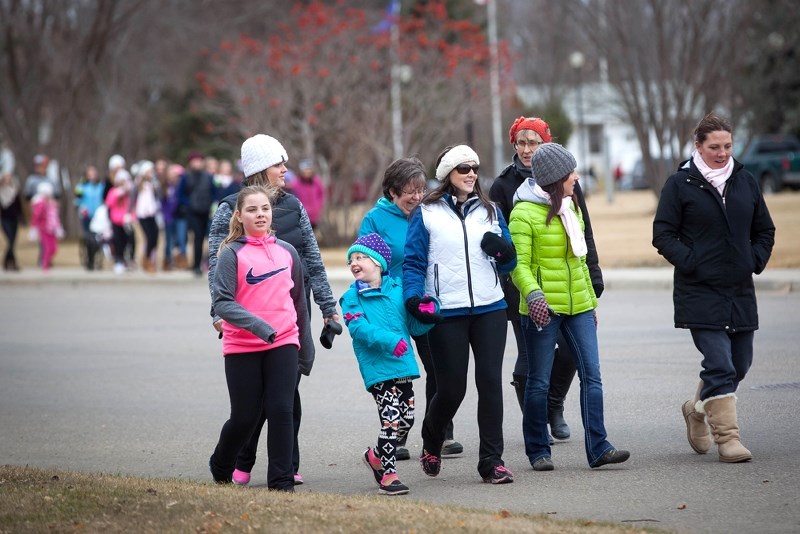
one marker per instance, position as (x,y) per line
(527,193)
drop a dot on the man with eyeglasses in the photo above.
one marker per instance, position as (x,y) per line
(526,135)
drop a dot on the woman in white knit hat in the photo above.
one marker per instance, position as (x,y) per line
(457,247)
(264,163)
(556,294)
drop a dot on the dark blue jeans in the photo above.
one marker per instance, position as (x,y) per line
(726,359)
(580,335)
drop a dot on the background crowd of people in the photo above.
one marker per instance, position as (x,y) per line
(166,204)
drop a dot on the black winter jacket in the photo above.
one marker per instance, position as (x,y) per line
(502,193)
(716,243)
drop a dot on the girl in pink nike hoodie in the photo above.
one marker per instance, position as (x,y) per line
(266,339)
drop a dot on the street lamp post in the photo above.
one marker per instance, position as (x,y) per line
(577,60)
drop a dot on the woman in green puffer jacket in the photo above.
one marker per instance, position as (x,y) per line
(556,294)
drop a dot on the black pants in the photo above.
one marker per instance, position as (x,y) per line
(120,242)
(450,345)
(247,456)
(90,242)
(395,400)
(10,226)
(260,381)
(150,231)
(198,225)
(424,350)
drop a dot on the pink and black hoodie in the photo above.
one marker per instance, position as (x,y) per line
(259,294)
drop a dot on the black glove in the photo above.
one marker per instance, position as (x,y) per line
(331,328)
(598,289)
(412,306)
(498,248)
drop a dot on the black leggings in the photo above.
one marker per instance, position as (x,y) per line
(198,225)
(450,345)
(395,400)
(150,231)
(260,381)
(424,351)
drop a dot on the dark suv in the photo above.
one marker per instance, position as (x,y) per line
(774,160)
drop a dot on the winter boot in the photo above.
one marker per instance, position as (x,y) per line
(519,388)
(181,262)
(555,415)
(696,428)
(721,415)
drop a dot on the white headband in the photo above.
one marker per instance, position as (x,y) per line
(455,156)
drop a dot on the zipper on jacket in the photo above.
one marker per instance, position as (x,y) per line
(569,275)
(466,258)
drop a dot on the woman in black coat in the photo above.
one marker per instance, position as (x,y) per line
(712,224)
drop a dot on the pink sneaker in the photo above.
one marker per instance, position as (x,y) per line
(298,479)
(240,478)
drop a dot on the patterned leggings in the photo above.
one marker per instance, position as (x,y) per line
(395,400)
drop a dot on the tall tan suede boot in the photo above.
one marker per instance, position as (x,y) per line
(696,428)
(721,414)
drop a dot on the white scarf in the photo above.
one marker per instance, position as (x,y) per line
(570,221)
(716,177)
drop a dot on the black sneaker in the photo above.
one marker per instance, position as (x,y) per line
(218,478)
(431,465)
(402,454)
(451,447)
(377,473)
(499,475)
(395,487)
(612,456)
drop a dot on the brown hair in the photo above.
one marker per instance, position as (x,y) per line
(711,123)
(447,187)
(235,227)
(400,173)
(556,192)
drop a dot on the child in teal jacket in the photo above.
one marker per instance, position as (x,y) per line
(381,329)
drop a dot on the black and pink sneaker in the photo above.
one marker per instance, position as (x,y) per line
(499,475)
(431,465)
(371,461)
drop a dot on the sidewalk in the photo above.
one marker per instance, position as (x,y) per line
(644,278)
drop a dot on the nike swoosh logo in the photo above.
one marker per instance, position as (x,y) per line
(254,279)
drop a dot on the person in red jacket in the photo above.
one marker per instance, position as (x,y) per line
(308,188)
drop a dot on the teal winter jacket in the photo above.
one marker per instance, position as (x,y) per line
(389,222)
(377,320)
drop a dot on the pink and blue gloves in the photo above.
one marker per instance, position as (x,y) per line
(423,309)
(400,348)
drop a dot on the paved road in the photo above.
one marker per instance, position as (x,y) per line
(128,378)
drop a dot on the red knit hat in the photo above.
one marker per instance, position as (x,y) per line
(530,123)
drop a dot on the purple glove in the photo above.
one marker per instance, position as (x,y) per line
(400,348)
(427,307)
(539,312)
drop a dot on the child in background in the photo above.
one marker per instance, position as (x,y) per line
(376,317)
(45,219)
(259,294)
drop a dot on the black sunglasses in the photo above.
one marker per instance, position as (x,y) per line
(464,168)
